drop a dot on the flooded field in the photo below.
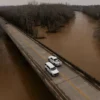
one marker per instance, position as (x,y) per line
(17,80)
(76,43)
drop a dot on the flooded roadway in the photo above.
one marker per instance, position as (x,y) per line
(17,80)
(76,43)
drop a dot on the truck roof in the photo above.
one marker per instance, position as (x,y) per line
(54,57)
(50,65)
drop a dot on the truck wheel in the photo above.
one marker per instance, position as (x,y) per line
(45,69)
(52,75)
(49,60)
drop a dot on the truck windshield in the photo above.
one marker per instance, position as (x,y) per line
(56,60)
(53,68)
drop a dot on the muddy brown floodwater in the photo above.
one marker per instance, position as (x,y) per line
(76,43)
(17,80)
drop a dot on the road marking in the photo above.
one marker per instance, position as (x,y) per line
(38,53)
(63,76)
(35,50)
(73,85)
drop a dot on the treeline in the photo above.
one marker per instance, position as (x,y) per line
(27,17)
(91,10)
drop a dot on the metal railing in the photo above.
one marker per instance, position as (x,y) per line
(84,74)
(55,89)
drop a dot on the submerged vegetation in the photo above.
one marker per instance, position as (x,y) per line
(49,16)
(93,11)
(27,17)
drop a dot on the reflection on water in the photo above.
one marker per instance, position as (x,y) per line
(76,43)
(17,80)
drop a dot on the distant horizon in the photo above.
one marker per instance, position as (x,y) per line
(70,2)
(51,3)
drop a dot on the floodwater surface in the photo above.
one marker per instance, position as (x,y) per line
(76,43)
(18,81)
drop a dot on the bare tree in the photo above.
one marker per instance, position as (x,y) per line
(27,17)
(33,2)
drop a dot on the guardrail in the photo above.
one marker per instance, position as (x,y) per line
(84,74)
(92,80)
(60,95)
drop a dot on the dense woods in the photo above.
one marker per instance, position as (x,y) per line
(91,10)
(50,16)
(27,17)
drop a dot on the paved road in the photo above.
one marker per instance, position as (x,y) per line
(18,81)
(74,86)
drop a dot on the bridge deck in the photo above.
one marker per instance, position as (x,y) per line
(73,85)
